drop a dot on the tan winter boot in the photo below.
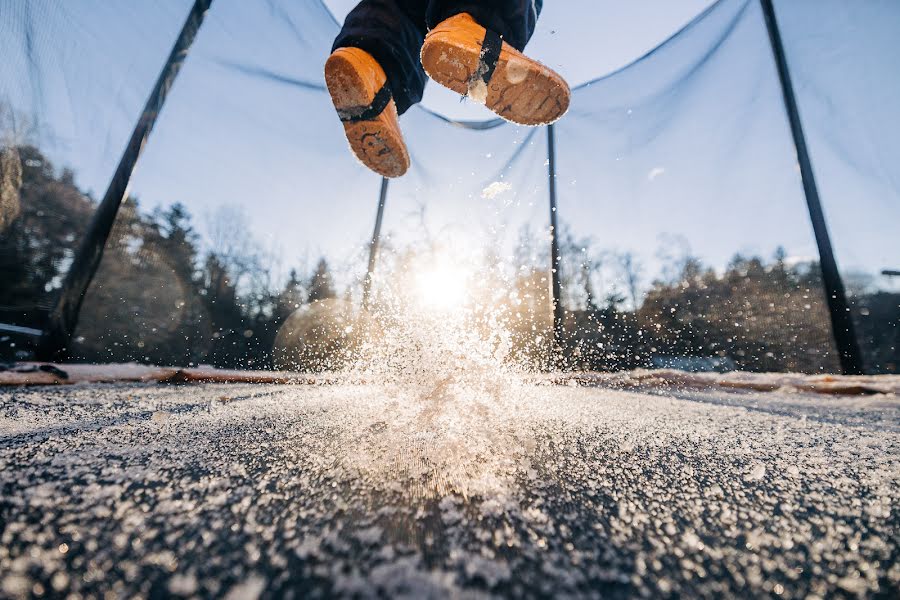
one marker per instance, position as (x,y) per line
(362,98)
(462,55)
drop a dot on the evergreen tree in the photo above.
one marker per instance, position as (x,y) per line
(292,297)
(321,286)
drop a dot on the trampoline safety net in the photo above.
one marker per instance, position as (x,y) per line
(684,233)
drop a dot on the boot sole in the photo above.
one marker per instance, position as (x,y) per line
(521,90)
(377,143)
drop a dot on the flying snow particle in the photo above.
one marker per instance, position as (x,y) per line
(655,172)
(495,189)
(478,91)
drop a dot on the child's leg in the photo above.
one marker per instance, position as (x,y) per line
(374,74)
(391,31)
(514,20)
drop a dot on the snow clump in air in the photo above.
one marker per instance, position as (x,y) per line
(495,189)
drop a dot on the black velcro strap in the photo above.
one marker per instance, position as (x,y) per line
(355,114)
(490,54)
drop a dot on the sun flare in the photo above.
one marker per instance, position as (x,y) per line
(441,287)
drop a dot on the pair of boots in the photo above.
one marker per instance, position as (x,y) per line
(459,54)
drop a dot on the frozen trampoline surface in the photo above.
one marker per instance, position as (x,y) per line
(441,491)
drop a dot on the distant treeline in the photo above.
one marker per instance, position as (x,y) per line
(162,297)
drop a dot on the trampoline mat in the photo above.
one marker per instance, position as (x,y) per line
(518,489)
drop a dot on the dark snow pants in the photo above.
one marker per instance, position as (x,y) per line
(392,31)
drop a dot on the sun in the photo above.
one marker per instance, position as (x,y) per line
(441,286)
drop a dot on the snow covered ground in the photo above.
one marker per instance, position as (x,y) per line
(438,490)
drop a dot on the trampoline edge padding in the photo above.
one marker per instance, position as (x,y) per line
(32,374)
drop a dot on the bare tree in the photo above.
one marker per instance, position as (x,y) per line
(233,246)
(674,252)
(631,272)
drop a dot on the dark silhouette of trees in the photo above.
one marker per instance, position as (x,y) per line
(158,296)
(763,317)
(36,245)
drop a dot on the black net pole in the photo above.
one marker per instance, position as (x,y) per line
(373,247)
(555,287)
(63,319)
(841,319)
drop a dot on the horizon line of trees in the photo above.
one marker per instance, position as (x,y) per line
(162,297)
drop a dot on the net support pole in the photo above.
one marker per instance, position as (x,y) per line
(373,246)
(54,344)
(841,319)
(555,287)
